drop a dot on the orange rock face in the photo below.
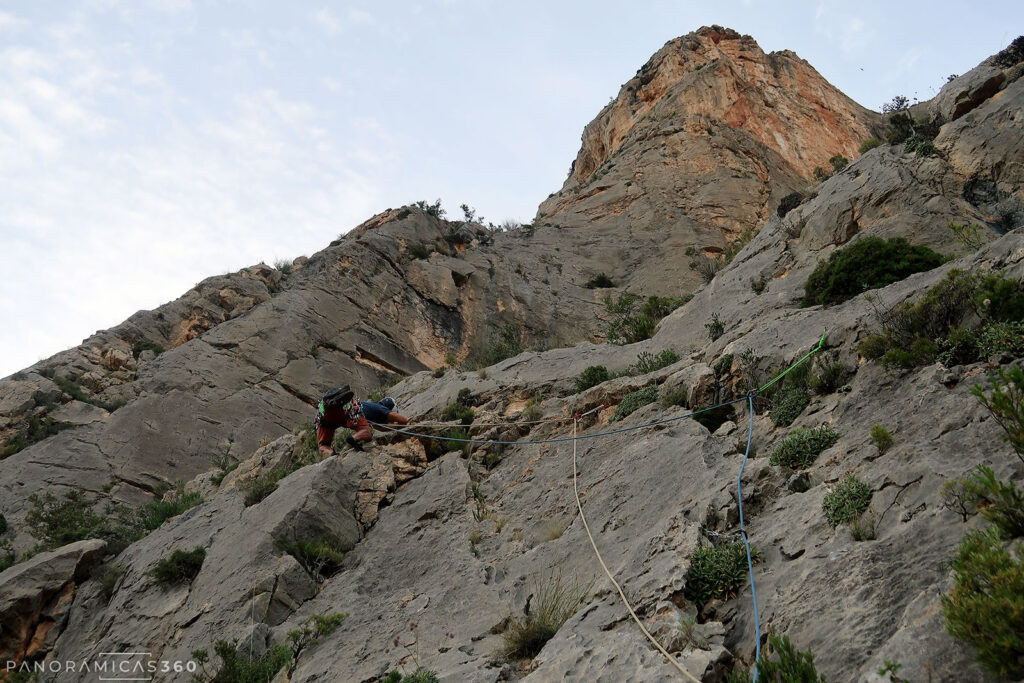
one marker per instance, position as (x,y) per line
(779,98)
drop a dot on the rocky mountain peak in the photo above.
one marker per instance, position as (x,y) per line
(717,73)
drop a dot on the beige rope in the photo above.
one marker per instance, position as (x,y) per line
(611,578)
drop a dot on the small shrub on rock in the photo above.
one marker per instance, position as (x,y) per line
(839,162)
(157,512)
(881,437)
(59,521)
(1001,338)
(648,362)
(635,400)
(847,502)
(827,377)
(873,347)
(1001,503)
(240,668)
(792,666)
(180,567)
(986,607)
(321,557)
(787,404)
(801,447)
(868,145)
(7,554)
(591,377)
(600,281)
(866,264)
(788,203)
(1012,55)
(261,486)
(1006,403)
(554,601)
(675,398)
(717,573)
(714,327)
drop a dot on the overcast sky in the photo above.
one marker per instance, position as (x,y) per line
(147,144)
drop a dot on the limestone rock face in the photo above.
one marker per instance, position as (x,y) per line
(720,75)
(697,149)
(446,544)
(36,595)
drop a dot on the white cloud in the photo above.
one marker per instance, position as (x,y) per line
(9,21)
(328,21)
(842,26)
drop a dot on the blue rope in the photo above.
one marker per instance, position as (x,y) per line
(743,533)
(560,439)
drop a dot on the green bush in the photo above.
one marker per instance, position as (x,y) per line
(881,437)
(310,632)
(900,127)
(1001,338)
(56,522)
(866,264)
(503,343)
(139,347)
(157,512)
(600,281)
(847,502)
(455,411)
(452,444)
(1001,503)
(109,581)
(7,555)
(648,362)
(722,366)
(960,347)
(868,145)
(180,567)
(3,524)
(418,676)
(591,377)
(675,398)
(261,486)
(828,376)
(434,209)
(839,162)
(787,404)
(633,319)
(1011,55)
(238,668)
(921,352)
(792,666)
(321,557)
(873,347)
(920,146)
(635,400)
(986,607)
(801,447)
(717,573)
(552,604)
(1006,403)
(36,428)
(714,327)
(820,174)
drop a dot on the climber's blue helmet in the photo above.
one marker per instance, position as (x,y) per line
(388,403)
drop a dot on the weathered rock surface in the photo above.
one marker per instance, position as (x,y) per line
(458,544)
(36,596)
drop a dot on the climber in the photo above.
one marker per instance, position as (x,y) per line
(340,408)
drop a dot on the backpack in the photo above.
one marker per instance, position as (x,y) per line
(338,396)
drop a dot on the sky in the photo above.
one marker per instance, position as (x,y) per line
(148,144)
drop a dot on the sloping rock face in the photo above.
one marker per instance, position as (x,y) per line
(443,550)
(36,596)
(698,148)
(364,310)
